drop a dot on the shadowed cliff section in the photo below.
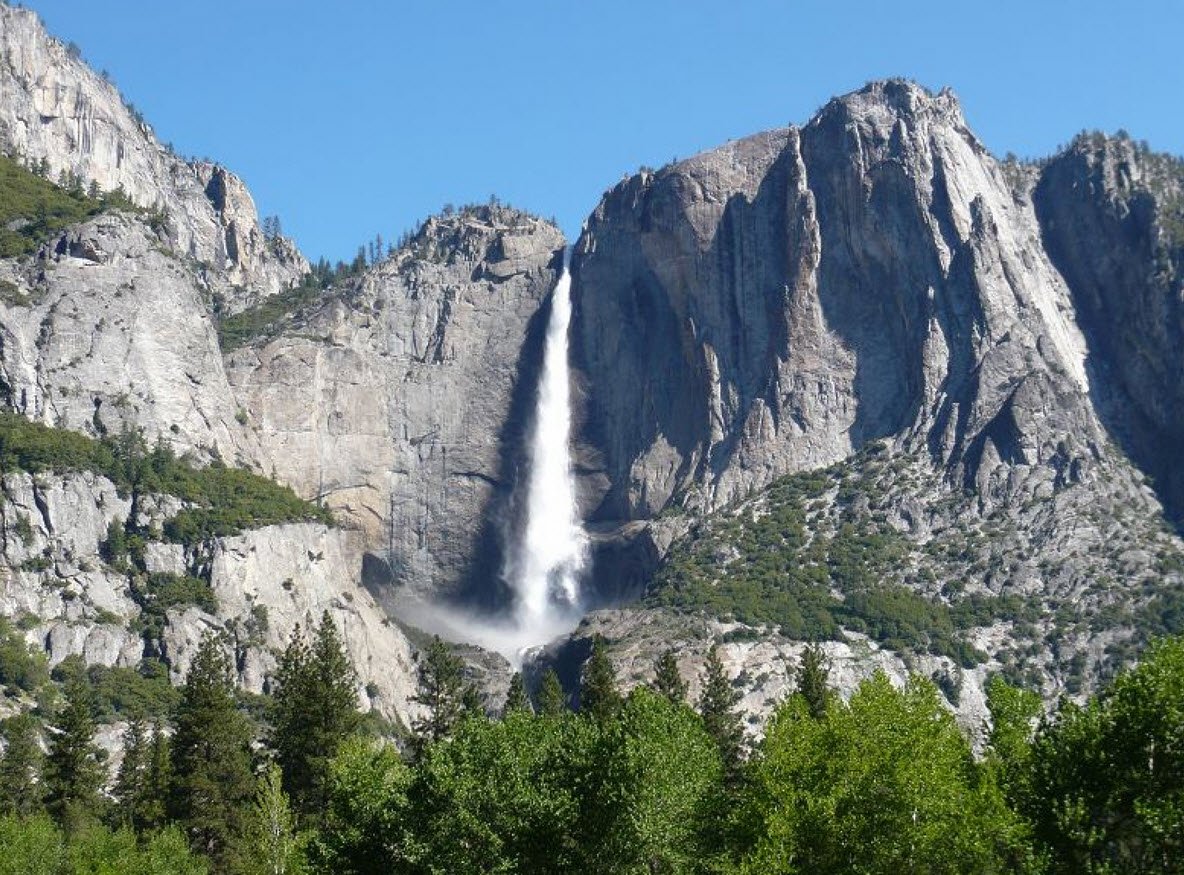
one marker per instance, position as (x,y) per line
(1112,214)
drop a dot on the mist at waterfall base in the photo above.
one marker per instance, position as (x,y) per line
(546,557)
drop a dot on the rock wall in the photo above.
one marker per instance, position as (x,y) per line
(107,327)
(775,304)
(402,402)
(55,109)
(1112,214)
(56,584)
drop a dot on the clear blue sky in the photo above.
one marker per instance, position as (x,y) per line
(350,118)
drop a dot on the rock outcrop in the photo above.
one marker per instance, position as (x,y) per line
(402,401)
(55,581)
(777,303)
(107,327)
(57,113)
(1112,214)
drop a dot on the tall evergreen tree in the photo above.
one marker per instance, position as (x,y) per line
(74,769)
(812,679)
(441,691)
(131,779)
(551,700)
(212,785)
(516,698)
(717,704)
(471,704)
(667,679)
(152,809)
(315,708)
(20,768)
(599,697)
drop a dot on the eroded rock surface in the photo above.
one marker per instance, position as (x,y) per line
(403,401)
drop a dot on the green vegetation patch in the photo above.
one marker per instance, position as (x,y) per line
(22,668)
(807,557)
(33,209)
(118,692)
(268,318)
(223,501)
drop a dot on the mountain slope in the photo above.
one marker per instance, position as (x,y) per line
(1000,338)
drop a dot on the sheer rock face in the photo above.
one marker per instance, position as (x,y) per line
(774,304)
(404,402)
(108,328)
(54,109)
(1113,221)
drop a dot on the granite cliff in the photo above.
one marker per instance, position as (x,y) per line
(975,365)
(1006,335)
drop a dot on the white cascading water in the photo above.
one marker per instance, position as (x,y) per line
(545,559)
(545,564)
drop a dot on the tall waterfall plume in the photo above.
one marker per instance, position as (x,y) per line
(545,563)
(546,553)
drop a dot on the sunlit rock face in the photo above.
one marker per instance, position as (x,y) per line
(776,303)
(56,110)
(404,400)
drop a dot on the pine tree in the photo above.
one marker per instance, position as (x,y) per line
(315,708)
(471,704)
(811,677)
(211,758)
(20,768)
(131,779)
(441,688)
(717,704)
(153,804)
(667,679)
(73,767)
(551,700)
(516,698)
(599,698)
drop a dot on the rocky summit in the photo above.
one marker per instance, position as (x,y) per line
(857,381)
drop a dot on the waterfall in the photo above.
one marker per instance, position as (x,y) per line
(545,563)
(546,553)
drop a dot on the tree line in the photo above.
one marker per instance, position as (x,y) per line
(604,781)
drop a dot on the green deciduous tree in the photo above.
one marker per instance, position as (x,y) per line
(1106,784)
(500,796)
(1014,714)
(273,846)
(886,783)
(362,832)
(212,784)
(657,774)
(35,846)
